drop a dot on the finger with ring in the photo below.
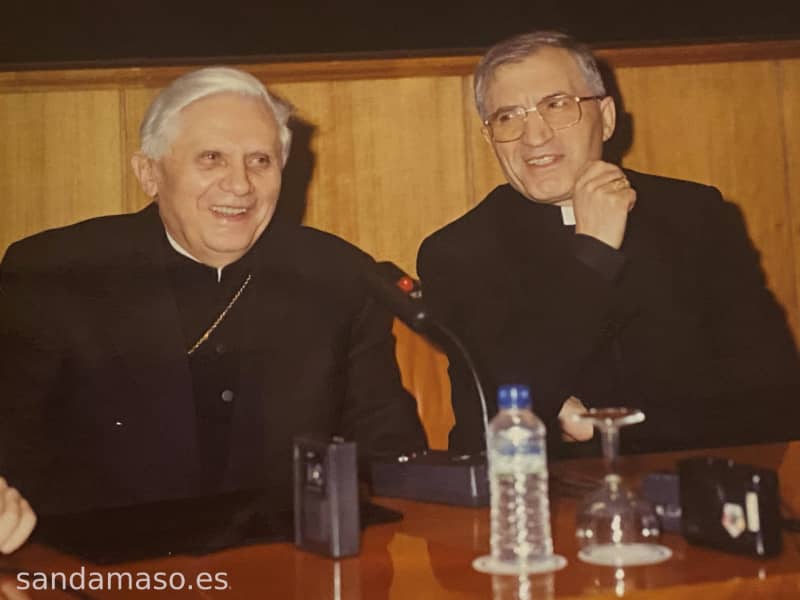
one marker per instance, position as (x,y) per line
(620,183)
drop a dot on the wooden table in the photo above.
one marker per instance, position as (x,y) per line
(429,553)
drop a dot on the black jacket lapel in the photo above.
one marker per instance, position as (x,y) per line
(267,308)
(147,335)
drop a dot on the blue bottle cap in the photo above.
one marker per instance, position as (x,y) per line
(513,396)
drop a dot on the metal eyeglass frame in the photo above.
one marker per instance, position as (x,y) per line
(535,108)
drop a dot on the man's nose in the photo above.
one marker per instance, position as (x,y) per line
(237,179)
(536,131)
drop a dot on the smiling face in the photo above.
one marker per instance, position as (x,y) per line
(543,164)
(218,184)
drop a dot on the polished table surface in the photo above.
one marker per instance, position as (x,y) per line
(429,553)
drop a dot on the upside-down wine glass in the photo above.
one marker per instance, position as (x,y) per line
(615,527)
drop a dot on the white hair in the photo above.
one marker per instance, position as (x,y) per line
(159,125)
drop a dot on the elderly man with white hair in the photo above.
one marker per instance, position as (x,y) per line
(174,353)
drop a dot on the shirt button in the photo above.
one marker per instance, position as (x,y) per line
(221,348)
(227,396)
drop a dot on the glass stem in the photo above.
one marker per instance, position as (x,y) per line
(610,441)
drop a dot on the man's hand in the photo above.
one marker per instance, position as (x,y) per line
(17,518)
(602,199)
(572,430)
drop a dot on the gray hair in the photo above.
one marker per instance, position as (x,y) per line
(520,47)
(159,125)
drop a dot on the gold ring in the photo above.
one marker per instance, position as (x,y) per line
(621,183)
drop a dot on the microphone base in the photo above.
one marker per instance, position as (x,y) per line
(434,476)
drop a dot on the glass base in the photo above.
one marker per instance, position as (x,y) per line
(492,566)
(625,555)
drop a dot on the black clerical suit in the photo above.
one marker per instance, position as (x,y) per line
(101,406)
(677,322)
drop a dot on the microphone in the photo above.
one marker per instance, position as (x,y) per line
(399,292)
(435,475)
(402,294)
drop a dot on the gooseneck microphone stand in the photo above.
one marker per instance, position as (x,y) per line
(433,476)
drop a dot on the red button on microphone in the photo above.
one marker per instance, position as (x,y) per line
(406,284)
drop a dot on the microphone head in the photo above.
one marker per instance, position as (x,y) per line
(399,292)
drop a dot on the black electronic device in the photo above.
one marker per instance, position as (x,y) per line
(662,490)
(730,506)
(432,476)
(326,509)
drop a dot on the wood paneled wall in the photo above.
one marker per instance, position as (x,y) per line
(389,150)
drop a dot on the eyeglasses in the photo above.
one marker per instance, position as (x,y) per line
(558,111)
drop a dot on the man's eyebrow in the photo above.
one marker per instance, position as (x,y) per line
(555,94)
(504,108)
(545,97)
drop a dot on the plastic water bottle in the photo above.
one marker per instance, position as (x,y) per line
(516,446)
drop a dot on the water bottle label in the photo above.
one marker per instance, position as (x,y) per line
(517,463)
(517,440)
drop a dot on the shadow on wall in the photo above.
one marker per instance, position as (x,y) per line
(619,144)
(297,173)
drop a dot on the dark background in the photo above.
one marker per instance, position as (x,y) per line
(104,32)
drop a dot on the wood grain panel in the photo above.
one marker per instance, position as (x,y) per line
(388,151)
(684,54)
(705,123)
(59,159)
(389,159)
(484,172)
(424,375)
(790,100)
(135,101)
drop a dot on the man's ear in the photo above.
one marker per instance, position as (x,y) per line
(486,134)
(144,168)
(608,114)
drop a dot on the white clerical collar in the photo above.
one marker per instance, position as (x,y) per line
(180,250)
(568,215)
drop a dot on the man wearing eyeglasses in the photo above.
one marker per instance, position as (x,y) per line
(599,286)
